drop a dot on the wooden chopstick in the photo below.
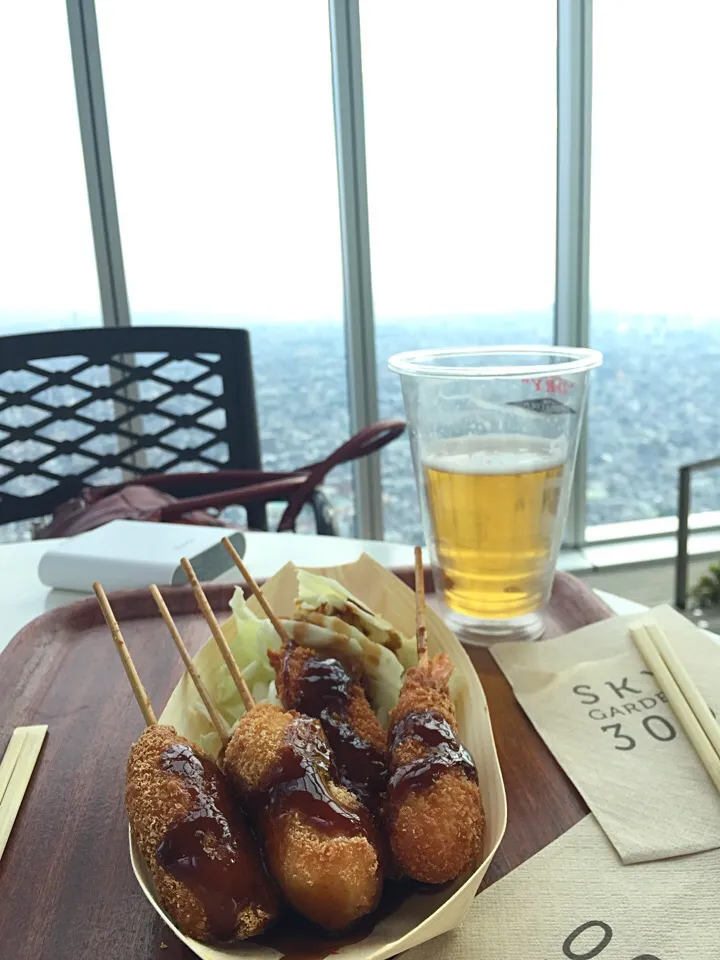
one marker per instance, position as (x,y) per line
(646,640)
(15,772)
(10,759)
(691,693)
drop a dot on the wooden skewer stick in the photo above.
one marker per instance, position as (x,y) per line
(257,592)
(217,720)
(132,674)
(218,636)
(681,708)
(420,609)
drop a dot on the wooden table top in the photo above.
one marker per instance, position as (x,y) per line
(66,885)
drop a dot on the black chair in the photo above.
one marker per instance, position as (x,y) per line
(106,405)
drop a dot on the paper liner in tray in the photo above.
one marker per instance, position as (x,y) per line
(416,918)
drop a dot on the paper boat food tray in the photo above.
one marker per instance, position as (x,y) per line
(419,917)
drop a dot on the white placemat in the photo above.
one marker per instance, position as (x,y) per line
(576,901)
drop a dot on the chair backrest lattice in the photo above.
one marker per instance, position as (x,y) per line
(103,405)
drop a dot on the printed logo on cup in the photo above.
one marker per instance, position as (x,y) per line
(542,405)
(545,392)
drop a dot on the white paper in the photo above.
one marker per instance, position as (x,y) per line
(127,554)
(598,708)
(576,901)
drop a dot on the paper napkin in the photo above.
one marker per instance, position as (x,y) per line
(598,708)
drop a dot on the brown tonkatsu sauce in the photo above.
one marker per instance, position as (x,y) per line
(324,684)
(323,690)
(201,848)
(300,782)
(444,753)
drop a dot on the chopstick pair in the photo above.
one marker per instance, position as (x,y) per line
(693,714)
(16,769)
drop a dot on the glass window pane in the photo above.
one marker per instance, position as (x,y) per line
(222,137)
(460,113)
(654,250)
(48,279)
(48,271)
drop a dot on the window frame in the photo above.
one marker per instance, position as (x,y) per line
(571,309)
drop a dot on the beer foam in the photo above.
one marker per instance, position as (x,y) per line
(492,454)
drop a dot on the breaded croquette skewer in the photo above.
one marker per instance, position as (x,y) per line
(322,687)
(206,864)
(321,844)
(257,592)
(194,839)
(433,810)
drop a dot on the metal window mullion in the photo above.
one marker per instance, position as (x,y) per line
(355,238)
(572,261)
(89,90)
(94,134)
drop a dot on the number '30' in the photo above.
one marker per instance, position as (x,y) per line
(658,727)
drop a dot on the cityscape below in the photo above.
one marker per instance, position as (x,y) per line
(653,407)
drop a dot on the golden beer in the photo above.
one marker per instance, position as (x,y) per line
(493,503)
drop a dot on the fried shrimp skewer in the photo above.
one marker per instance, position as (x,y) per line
(433,811)
(320,842)
(204,861)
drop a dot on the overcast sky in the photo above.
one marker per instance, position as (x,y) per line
(222,136)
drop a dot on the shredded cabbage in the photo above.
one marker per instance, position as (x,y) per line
(370,644)
(254,636)
(315,591)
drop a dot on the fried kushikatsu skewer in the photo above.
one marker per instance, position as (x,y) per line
(320,842)
(138,689)
(206,865)
(327,689)
(433,809)
(215,629)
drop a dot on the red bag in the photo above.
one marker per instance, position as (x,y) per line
(174,497)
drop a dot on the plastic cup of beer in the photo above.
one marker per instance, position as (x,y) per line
(494,435)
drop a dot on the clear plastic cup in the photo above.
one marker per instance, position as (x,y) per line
(494,434)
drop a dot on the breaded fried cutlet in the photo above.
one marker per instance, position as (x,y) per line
(320,842)
(434,813)
(205,863)
(290,668)
(320,685)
